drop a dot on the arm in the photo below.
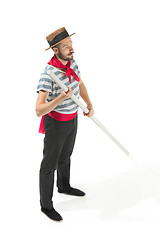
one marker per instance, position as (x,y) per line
(43,108)
(84,95)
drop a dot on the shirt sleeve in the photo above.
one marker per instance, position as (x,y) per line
(79,73)
(45,83)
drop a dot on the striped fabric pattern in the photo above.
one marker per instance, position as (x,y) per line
(46,83)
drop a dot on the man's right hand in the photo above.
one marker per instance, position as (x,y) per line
(43,107)
(68,94)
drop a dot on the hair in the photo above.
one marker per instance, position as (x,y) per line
(57,46)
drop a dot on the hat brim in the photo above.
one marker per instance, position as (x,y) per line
(59,42)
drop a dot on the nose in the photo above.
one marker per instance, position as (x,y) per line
(71,49)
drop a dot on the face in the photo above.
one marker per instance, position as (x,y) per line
(65,50)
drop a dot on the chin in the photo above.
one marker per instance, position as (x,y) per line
(69,58)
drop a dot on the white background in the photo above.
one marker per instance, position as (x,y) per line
(118,52)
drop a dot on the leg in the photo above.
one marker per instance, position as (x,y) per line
(53,142)
(48,166)
(63,170)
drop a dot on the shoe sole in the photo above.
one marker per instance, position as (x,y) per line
(71,194)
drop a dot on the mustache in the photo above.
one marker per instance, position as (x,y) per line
(71,53)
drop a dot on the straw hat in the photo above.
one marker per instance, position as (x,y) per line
(57,36)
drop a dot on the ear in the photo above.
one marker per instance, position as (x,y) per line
(55,50)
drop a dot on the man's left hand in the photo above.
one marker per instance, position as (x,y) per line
(91,111)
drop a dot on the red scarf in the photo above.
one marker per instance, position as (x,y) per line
(69,71)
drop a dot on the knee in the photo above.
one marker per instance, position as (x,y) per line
(47,168)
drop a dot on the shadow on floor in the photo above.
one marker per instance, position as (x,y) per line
(112,196)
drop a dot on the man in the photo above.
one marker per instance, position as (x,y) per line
(59,119)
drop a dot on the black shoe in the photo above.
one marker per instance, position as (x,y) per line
(52,214)
(72,191)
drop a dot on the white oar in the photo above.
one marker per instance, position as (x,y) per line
(76,100)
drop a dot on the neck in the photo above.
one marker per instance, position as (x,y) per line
(62,61)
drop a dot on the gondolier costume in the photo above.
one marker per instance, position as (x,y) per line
(59,125)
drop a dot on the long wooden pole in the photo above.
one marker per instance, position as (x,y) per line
(81,105)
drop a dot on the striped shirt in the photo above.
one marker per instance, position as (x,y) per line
(46,83)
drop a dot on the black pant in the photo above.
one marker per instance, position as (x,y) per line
(58,146)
